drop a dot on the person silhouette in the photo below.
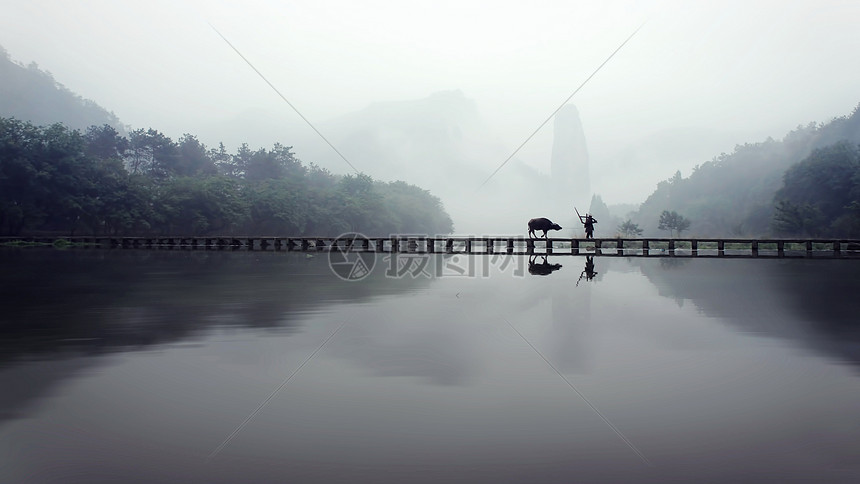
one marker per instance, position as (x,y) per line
(588,221)
(589,271)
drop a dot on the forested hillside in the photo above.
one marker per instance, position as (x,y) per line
(821,195)
(737,194)
(54,179)
(30,94)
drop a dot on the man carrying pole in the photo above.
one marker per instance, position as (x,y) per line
(588,222)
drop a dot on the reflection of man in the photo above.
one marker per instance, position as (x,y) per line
(589,271)
(588,221)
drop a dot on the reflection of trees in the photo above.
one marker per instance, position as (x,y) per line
(811,303)
(98,301)
(670,263)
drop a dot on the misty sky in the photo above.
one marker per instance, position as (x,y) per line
(697,79)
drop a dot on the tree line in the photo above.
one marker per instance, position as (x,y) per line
(806,184)
(58,180)
(821,194)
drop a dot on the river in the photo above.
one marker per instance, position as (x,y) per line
(219,366)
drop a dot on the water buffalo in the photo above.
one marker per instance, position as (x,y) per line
(542,223)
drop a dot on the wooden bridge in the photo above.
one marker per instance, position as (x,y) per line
(418,244)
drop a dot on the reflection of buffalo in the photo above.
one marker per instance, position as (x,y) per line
(542,223)
(541,269)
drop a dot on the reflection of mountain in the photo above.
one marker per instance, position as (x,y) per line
(61,305)
(93,301)
(811,303)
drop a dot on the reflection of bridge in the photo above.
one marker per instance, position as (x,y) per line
(680,247)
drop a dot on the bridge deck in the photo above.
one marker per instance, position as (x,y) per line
(500,244)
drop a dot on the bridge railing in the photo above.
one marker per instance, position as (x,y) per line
(488,244)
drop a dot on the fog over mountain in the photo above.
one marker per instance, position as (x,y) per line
(696,80)
(442,144)
(30,94)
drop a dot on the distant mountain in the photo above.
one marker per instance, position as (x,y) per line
(733,194)
(423,138)
(29,94)
(571,178)
(442,144)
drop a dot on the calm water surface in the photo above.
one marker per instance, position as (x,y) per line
(161,366)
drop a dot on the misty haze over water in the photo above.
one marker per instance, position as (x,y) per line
(140,366)
(242,366)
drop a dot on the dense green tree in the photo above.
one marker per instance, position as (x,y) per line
(414,210)
(819,194)
(363,207)
(629,229)
(801,220)
(277,207)
(735,193)
(18,176)
(104,142)
(154,154)
(239,162)
(223,161)
(279,162)
(198,206)
(194,158)
(673,222)
(55,180)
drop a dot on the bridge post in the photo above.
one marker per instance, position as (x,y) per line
(530,246)
(468,245)
(619,246)
(808,248)
(672,247)
(574,246)
(754,248)
(721,248)
(836,248)
(694,246)
(510,246)
(780,249)
(645,247)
